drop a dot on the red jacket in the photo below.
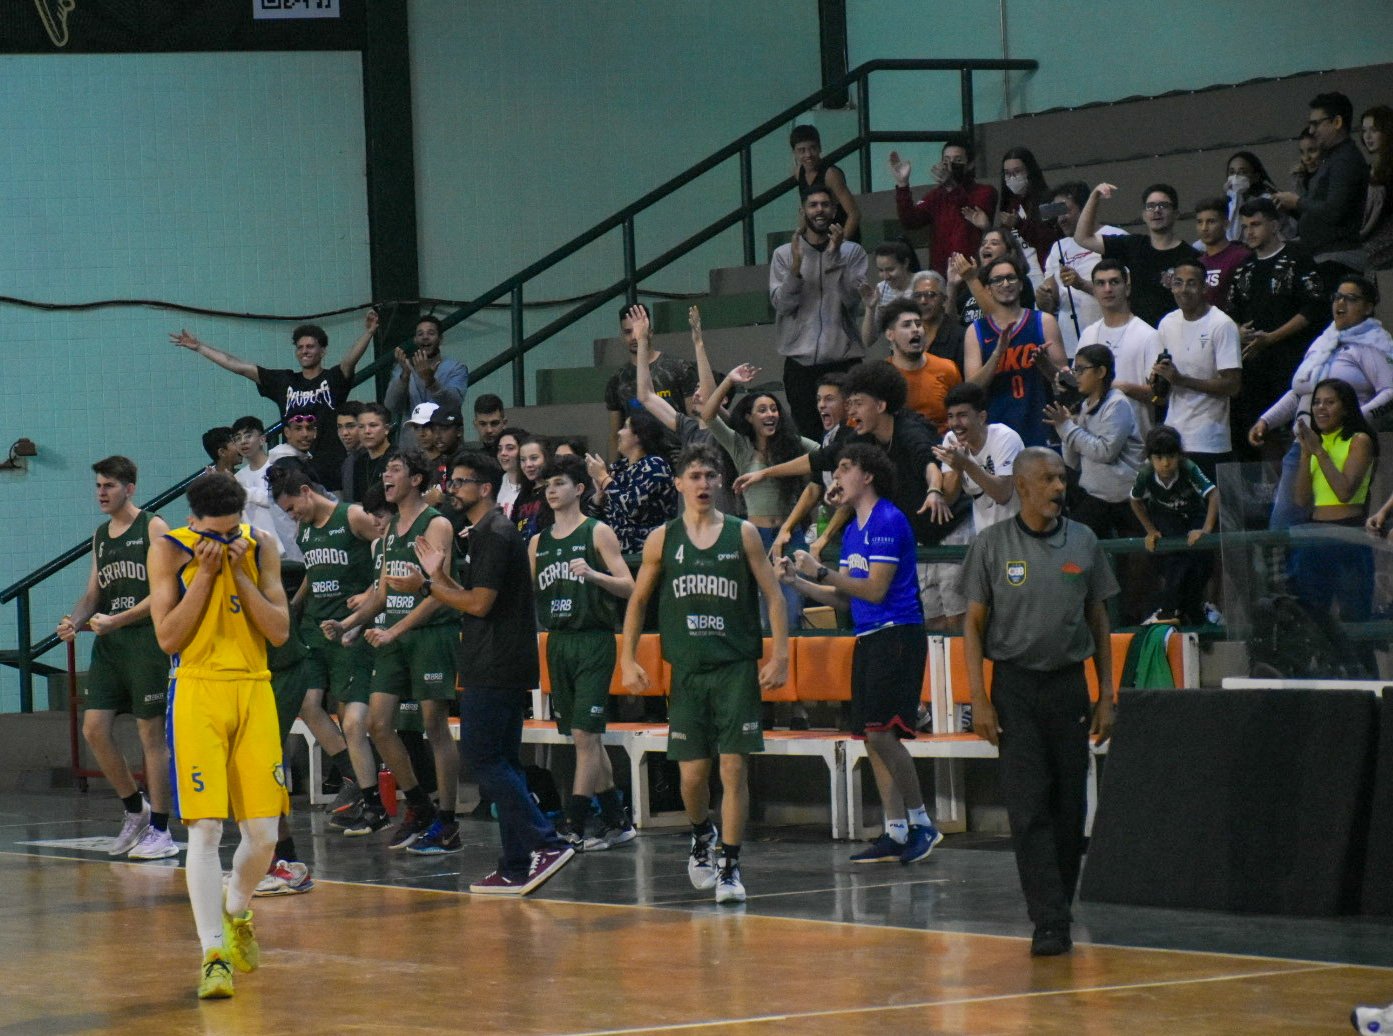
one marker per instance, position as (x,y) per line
(942,209)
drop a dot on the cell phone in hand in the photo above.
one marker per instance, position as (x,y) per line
(1054,210)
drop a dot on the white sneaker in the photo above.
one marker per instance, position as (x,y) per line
(729,887)
(701,864)
(154,845)
(285,878)
(132,828)
(1372,1020)
(1212,614)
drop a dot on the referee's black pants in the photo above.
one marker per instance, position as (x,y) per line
(1044,720)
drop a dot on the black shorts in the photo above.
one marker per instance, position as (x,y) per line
(887,677)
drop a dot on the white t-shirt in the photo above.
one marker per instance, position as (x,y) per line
(263,512)
(1132,345)
(1200,349)
(1082,261)
(996,457)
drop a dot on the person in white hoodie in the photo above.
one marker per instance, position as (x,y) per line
(1355,348)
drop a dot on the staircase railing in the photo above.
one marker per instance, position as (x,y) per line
(25,656)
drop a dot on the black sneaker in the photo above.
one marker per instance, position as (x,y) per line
(349,795)
(413,825)
(1051,941)
(362,821)
(568,834)
(612,833)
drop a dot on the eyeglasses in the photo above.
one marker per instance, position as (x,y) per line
(301,419)
(1005,278)
(456,483)
(1079,368)
(1317,123)
(1157,206)
(1340,296)
(926,294)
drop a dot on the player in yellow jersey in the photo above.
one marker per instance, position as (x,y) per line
(216,600)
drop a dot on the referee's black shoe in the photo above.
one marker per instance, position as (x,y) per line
(1051,940)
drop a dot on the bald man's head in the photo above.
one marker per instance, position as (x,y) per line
(1041,482)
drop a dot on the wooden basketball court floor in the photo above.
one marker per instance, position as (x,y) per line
(620,942)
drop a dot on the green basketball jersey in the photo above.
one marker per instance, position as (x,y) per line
(337,565)
(565,602)
(708,601)
(380,619)
(121,579)
(399,557)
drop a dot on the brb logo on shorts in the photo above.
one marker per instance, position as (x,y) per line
(705,623)
(1016,573)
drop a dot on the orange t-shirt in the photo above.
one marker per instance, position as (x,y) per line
(928,386)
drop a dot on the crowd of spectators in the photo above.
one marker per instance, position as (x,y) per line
(1147,361)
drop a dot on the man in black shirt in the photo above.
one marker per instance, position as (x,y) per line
(313,389)
(1149,257)
(497,666)
(672,379)
(1330,212)
(1278,300)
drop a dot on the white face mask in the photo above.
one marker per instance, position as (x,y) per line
(1237,184)
(1017,184)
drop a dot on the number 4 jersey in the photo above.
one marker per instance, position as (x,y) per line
(708,603)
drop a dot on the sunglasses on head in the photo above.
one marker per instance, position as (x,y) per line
(301,419)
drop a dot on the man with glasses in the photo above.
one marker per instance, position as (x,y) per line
(929,291)
(1150,257)
(1279,303)
(1330,211)
(314,389)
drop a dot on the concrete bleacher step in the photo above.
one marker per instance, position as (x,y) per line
(578,420)
(558,385)
(873,232)
(717,311)
(727,346)
(739,280)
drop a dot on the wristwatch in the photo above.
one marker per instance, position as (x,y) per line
(821,574)
(425,588)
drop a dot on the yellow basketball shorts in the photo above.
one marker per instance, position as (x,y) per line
(224,749)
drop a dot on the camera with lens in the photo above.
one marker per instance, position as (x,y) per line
(1066,390)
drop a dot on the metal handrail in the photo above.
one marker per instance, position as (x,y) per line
(627,285)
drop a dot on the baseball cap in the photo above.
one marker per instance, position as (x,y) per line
(422,414)
(447,418)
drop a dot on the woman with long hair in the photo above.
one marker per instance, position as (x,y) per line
(509,443)
(1102,444)
(531,514)
(1023,191)
(895,266)
(1338,451)
(1356,349)
(1376,131)
(636,491)
(1245,178)
(758,436)
(967,295)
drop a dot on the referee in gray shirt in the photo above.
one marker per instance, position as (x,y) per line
(1036,587)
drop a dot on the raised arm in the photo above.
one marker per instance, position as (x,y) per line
(706,377)
(836,182)
(176,614)
(355,352)
(741,375)
(1086,230)
(225,360)
(643,371)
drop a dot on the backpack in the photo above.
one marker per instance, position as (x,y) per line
(1291,640)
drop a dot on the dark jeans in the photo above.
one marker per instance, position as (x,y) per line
(800,389)
(1044,720)
(1184,577)
(1107,520)
(490,734)
(1323,574)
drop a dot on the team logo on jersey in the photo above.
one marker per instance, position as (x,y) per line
(1016,572)
(728,557)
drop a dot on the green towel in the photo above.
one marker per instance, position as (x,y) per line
(1147,665)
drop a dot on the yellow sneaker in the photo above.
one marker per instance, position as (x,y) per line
(239,941)
(215,982)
